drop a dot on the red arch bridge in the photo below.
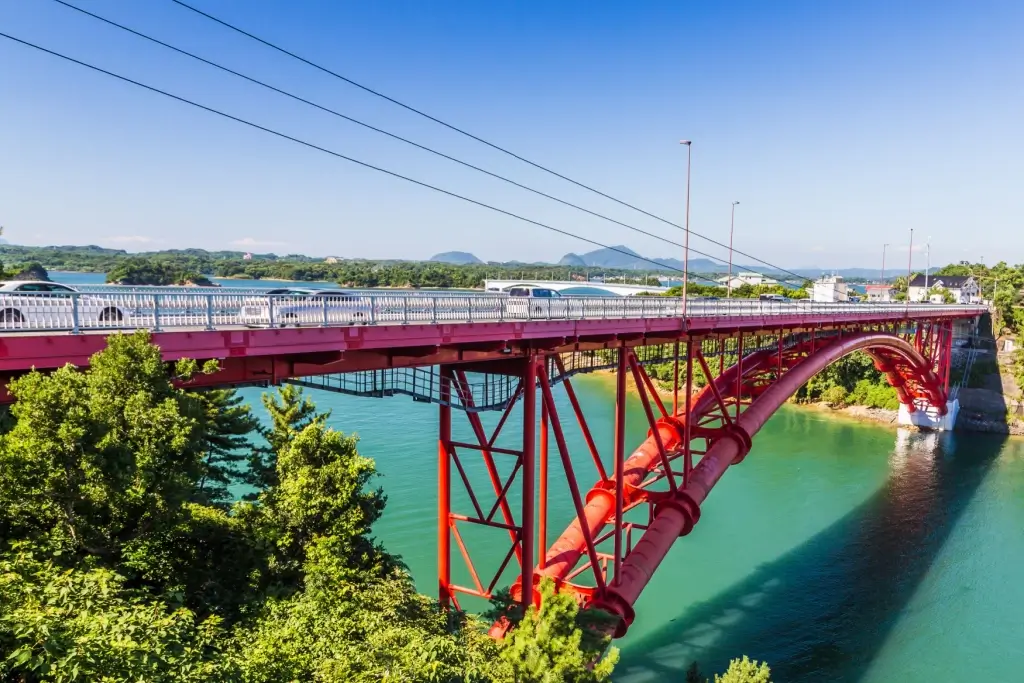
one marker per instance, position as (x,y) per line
(733,365)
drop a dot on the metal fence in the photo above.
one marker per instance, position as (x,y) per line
(90,311)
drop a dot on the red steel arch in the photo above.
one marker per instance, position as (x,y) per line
(769,378)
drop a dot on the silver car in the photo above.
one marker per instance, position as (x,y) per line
(33,304)
(296,306)
(536,302)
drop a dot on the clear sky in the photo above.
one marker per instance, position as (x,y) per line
(837,125)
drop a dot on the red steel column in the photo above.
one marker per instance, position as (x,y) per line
(675,380)
(529,458)
(444,565)
(542,511)
(620,446)
(739,374)
(949,355)
(687,455)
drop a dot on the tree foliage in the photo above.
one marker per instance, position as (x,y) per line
(851,380)
(550,646)
(745,671)
(124,559)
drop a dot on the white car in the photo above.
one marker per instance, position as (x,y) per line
(536,302)
(296,306)
(28,304)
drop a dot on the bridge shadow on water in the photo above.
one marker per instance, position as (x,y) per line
(823,611)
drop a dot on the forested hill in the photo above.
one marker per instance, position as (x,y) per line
(190,265)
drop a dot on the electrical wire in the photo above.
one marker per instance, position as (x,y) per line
(339,155)
(481,140)
(375,128)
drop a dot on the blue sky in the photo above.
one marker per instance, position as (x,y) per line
(837,125)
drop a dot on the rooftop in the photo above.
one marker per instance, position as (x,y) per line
(947,281)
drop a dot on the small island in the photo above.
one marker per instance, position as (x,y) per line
(150,272)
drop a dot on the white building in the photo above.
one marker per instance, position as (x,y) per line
(963,288)
(830,289)
(740,279)
(880,293)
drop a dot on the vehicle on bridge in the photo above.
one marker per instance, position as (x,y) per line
(294,306)
(31,304)
(527,301)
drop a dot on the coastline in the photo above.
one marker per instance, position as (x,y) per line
(968,420)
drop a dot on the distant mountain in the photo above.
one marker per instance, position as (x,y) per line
(849,273)
(573,260)
(457,258)
(625,258)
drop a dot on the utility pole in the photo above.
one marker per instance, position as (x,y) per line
(928,263)
(686,242)
(732,224)
(910,263)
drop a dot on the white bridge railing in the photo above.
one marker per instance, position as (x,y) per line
(90,311)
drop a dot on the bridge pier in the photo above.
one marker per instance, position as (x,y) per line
(929,417)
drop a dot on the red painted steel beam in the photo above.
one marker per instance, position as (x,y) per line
(530,595)
(444,492)
(22,351)
(602,501)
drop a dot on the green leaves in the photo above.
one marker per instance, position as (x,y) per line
(548,645)
(95,458)
(85,625)
(125,561)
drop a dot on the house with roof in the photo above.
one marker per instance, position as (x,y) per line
(883,293)
(964,288)
(740,279)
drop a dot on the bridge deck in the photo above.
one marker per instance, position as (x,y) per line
(384,343)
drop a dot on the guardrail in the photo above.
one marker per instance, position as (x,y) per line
(87,311)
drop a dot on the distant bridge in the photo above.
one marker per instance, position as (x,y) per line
(618,289)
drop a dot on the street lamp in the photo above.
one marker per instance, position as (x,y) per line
(732,224)
(928,263)
(686,241)
(883,261)
(910,262)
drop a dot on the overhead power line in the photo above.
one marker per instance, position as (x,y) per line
(481,140)
(339,155)
(368,126)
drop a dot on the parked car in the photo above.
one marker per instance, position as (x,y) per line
(295,306)
(536,302)
(27,304)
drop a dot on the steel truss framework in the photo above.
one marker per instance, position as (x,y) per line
(604,557)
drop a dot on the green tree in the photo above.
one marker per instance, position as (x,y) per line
(321,500)
(98,458)
(834,396)
(745,671)
(290,411)
(550,645)
(60,625)
(943,293)
(227,428)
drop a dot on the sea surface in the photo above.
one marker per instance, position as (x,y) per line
(837,551)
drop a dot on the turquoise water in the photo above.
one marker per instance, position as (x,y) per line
(836,551)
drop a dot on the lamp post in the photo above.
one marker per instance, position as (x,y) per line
(928,262)
(883,261)
(686,241)
(910,262)
(732,224)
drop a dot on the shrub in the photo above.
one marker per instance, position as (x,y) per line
(834,396)
(745,671)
